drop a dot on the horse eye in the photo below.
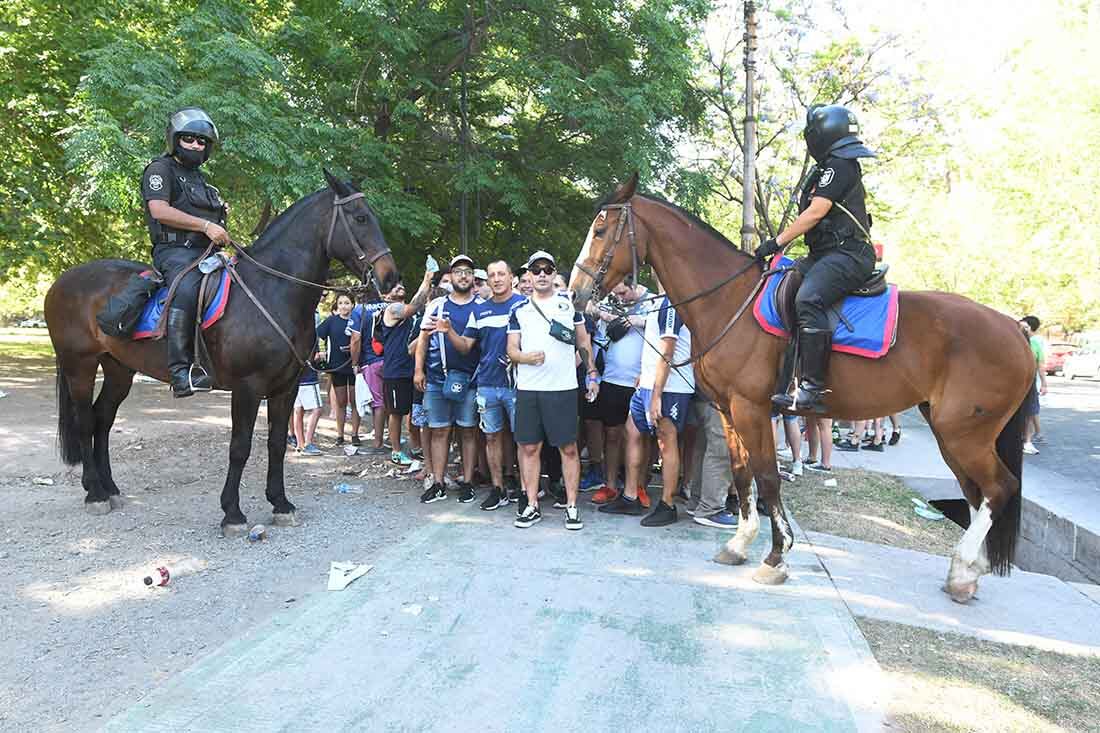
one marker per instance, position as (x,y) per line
(599,232)
(361,218)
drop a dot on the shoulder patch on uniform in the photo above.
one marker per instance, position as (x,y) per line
(156,183)
(826,177)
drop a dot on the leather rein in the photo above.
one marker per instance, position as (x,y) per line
(626,221)
(338,213)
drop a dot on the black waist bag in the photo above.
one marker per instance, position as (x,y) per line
(120,316)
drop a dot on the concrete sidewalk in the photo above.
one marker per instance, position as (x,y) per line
(471,624)
(903,586)
(1060,533)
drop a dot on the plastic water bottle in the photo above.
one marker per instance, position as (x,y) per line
(159,577)
(348,488)
(431,265)
(257,533)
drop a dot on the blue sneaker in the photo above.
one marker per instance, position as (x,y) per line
(593,479)
(312,450)
(398,457)
(721,520)
(292,441)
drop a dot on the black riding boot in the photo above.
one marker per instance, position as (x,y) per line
(179,335)
(814,347)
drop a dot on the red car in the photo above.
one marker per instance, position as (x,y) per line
(1056,356)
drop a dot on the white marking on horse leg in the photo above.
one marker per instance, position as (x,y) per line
(982,565)
(973,540)
(747,529)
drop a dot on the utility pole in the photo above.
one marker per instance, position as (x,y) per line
(748,195)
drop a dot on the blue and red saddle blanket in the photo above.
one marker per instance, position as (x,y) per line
(873,320)
(150,316)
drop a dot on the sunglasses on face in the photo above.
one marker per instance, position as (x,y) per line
(193,140)
(541,270)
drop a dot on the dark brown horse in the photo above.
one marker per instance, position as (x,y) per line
(966,366)
(247,355)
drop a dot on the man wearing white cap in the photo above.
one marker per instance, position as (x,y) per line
(545,333)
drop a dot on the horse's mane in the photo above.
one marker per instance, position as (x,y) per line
(282,222)
(678,209)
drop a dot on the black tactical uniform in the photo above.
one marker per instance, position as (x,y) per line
(175,178)
(841,257)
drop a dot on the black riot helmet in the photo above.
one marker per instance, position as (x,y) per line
(194,121)
(832,130)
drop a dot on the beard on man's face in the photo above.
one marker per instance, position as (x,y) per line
(462,289)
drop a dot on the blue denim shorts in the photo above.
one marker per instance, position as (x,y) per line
(419,415)
(496,404)
(443,413)
(673,406)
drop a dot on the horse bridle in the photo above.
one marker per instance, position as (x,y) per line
(368,273)
(626,220)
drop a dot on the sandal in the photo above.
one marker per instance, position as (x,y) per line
(895,437)
(847,445)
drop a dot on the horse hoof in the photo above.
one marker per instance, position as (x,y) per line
(725,557)
(287,519)
(231,531)
(962,592)
(767,575)
(115,500)
(97,508)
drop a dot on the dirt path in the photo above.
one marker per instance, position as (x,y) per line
(80,634)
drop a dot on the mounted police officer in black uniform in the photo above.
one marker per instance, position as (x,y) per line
(833,216)
(184,214)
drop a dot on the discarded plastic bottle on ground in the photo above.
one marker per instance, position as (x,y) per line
(348,488)
(159,577)
(836,431)
(257,533)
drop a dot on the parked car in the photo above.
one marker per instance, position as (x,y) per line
(1085,363)
(32,323)
(1056,356)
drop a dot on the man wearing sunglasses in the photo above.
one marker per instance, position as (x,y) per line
(184,213)
(545,333)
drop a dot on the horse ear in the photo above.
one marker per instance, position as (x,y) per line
(626,190)
(331,179)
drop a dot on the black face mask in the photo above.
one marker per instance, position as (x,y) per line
(189,158)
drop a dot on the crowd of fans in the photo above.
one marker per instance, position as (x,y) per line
(497,363)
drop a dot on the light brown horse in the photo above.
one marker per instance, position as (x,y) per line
(966,366)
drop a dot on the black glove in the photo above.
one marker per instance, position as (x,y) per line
(618,328)
(766,250)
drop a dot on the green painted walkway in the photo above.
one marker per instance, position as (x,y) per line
(614,628)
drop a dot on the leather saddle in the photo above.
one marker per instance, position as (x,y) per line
(791,280)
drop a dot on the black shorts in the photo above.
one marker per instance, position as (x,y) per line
(342,380)
(587,410)
(613,404)
(1030,407)
(397,395)
(546,416)
(418,397)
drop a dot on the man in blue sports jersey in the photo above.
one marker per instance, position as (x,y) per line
(399,320)
(496,396)
(659,406)
(367,363)
(445,375)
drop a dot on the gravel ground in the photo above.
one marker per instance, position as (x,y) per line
(81,635)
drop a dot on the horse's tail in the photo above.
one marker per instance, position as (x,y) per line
(1000,543)
(68,438)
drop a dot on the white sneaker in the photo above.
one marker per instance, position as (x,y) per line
(796,468)
(1030,449)
(785,453)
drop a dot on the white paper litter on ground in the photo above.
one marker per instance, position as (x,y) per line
(413,609)
(341,574)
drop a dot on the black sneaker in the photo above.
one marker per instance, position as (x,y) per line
(530,516)
(621,504)
(356,441)
(521,502)
(818,467)
(495,500)
(573,518)
(560,500)
(465,493)
(876,447)
(436,492)
(661,515)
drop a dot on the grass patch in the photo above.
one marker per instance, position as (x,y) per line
(867,506)
(947,682)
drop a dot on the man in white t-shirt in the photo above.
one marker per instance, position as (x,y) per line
(659,406)
(622,365)
(545,335)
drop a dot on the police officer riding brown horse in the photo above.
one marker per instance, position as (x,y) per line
(256,349)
